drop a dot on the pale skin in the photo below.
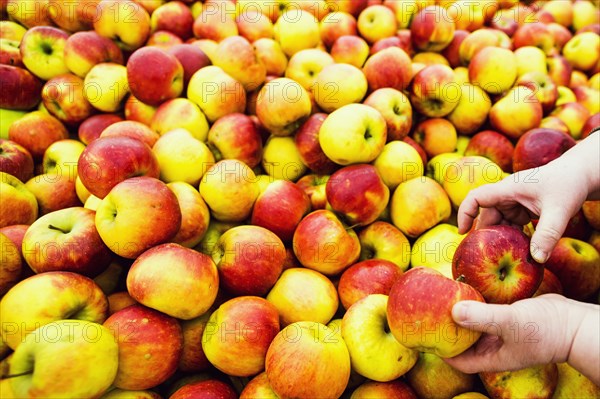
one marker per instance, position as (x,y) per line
(549,328)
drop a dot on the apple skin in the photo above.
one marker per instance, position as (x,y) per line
(434,91)
(63,96)
(571,383)
(36,131)
(338,85)
(591,211)
(296,30)
(215,22)
(269,52)
(376,22)
(307,142)
(397,163)
(236,136)
(372,276)
(382,240)
(25,306)
(42,51)
(432,377)
(304,294)
(436,247)
(254,25)
(235,55)
(15,160)
(135,110)
(537,381)
(208,389)
(545,89)
(537,147)
(83,50)
(321,242)
(395,108)
(175,17)
(352,50)
(92,362)
(574,115)
(11,264)
(394,389)
(550,285)
(249,260)
(195,215)
(110,160)
(119,300)
(53,191)
(521,101)
(292,374)
(409,319)
(590,124)
(314,187)
(180,113)
(19,205)
(575,263)
(191,58)
(150,344)
(194,273)
(9,52)
(280,208)
(254,322)
(117,393)
(282,106)
(390,67)
(133,233)
(91,128)
(436,136)
(66,240)
(485,64)
(374,352)
(258,387)
(335,25)
(133,129)
(20,89)
(193,359)
(106,86)
(125,22)
(534,34)
(432,29)
(496,260)
(493,145)
(154,75)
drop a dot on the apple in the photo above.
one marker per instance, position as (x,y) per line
(303,294)
(539,381)
(396,109)
(119,300)
(110,160)
(180,113)
(475,42)
(590,125)
(175,17)
(194,274)
(565,95)
(15,160)
(135,110)
(195,214)
(472,109)
(118,217)
(584,14)
(53,191)
(87,347)
(150,344)
(258,387)
(314,187)
(409,319)
(42,51)
(26,306)
(63,96)
(19,205)
(61,157)
(434,91)
(349,49)
(335,25)
(521,101)
(83,50)
(468,173)
(433,377)
(282,159)
(105,86)
(591,211)
(282,106)
(364,130)
(550,285)
(572,383)
(493,145)
(296,30)
(364,208)
(91,128)
(536,34)
(485,64)
(125,393)
(376,22)
(235,55)
(504,275)
(216,93)
(307,142)
(559,70)
(432,29)
(269,52)
(132,129)
(26,13)
(382,240)
(436,136)
(452,51)
(397,163)
(192,357)
(11,264)
(72,17)
(322,243)
(390,67)
(436,247)
(582,51)
(537,147)
(216,22)
(234,181)
(544,88)
(254,25)
(419,204)
(36,131)
(372,276)
(66,240)
(209,389)
(338,85)
(238,335)
(12,30)
(191,58)
(574,115)
(126,22)
(291,350)
(561,35)
(20,89)
(561,14)
(575,263)
(589,98)
(235,136)
(393,389)
(553,122)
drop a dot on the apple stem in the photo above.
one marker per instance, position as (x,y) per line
(5,377)
(461,278)
(57,228)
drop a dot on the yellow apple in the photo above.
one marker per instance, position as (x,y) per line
(105,86)
(305,66)
(297,30)
(468,173)
(282,160)
(435,248)
(338,85)
(282,106)
(397,163)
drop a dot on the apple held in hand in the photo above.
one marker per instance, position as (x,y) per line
(48,297)
(67,358)
(419,312)
(193,273)
(307,360)
(374,352)
(137,214)
(66,240)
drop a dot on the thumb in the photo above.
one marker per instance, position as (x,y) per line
(478,316)
(548,231)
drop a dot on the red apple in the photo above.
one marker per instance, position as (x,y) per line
(396,389)
(63,96)
(492,145)
(175,17)
(83,50)
(53,192)
(335,25)
(20,89)
(236,136)
(434,91)
(110,160)
(497,261)
(307,142)
(550,284)
(135,110)
(15,160)
(92,127)
(36,131)
(417,147)
(559,69)
(395,108)
(358,193)
(451,52)
(208,389)
(390,67)
(537,147)
(544,88)
(191,57)
(535,34)
(591,211)
(373,276)
(432,29)
(314,187)
(131,129)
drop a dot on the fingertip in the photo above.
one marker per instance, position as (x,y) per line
(538,254)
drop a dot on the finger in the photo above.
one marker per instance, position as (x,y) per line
(478,316)
(481,356)
(487,196)
(551,226)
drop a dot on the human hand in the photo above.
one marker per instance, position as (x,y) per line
(546,329)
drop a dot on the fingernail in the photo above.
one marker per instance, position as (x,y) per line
(459,312)
(537,254)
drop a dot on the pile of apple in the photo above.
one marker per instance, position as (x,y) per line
(257,199)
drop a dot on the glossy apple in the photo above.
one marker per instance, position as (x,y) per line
(393,389)
(434,91)
(397,163)
(372,276)
(269,52)
(205,389)
(92,127)
(493,145)
(105,86)
(236,136)
(352,50)
(521,101)
(540,381)
(436,247)
(11,265)
(390,67)
(195,215)
(15,160)
(36,131)
(125,22)
(376,22)
(19,205)
(537,147)
(20,89)
(296,30)
(432,29)
(472,109)
(483,67)
(550,284)
(396,109)
(42,51)
(83,50)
